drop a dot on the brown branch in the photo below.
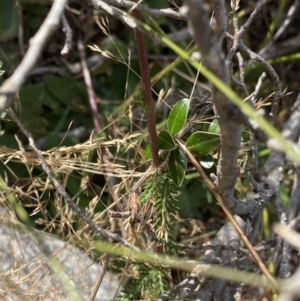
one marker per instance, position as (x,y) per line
(147,93)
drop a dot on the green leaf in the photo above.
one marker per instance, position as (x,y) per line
(9,141)
(31,97)
(147,153)
(178,115)
(165,141)
(214,127)
(67,91)
(177,166)
(207,162)
(203,143)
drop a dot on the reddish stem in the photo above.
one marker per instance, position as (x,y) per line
(147,94)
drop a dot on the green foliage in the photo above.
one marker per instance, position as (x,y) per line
(165,141)
(148,284)
(178,115)
(166,211)
(203,143)
(139,101)
(214,127)
(147,153)
(177,166)
(162,190)
(283,143)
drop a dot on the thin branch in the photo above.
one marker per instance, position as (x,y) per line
(164,12)
(287,21)
(239,33)
(20,27)
(240,82)
(69,36)
(257,88)
(254,56)
(89,85)
(100,277)
(13,84)
(95,115)
(115,12)
(147,93)
(174,289)
(253,141)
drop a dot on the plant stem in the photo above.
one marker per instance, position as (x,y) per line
(147,93)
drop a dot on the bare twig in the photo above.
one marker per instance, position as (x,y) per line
(240,82)
(239,33)
(38,42)
(165,12)
(287,21)
(96,120)
(100,277)
(254,144)
(69,35)
(254,56)
(89,85)
(116,12)
(257,88)
(20,28)
(283,48)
